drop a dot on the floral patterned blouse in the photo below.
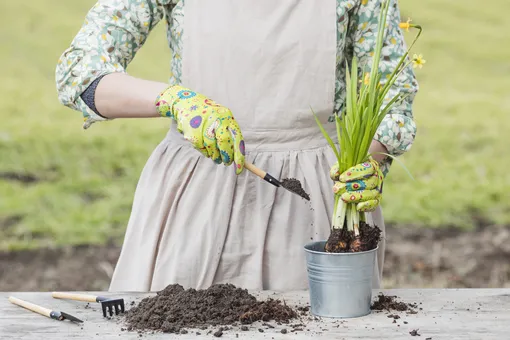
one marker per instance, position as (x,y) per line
(114,30)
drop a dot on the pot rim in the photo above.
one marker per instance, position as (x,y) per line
(335,254)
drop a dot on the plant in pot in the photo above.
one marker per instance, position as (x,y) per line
(340,270)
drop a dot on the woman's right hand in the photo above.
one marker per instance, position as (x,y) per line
(210,127)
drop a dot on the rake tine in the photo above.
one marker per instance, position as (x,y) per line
(104,309)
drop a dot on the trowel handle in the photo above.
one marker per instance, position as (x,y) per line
(74,296)
(30,306)
(252,168)
(262,174)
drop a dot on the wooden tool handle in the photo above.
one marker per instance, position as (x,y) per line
(252,168)
(74,296)
(30,306)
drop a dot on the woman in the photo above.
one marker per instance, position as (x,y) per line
(246,74)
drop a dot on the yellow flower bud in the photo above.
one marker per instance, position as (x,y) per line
(367,78)
(405,25)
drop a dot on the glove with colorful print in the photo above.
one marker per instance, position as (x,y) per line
(361,184)
(210,127)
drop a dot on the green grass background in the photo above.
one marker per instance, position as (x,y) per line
(459,160)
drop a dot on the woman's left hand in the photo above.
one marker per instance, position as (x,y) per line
(360,184)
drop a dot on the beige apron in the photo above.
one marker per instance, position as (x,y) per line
(194,222)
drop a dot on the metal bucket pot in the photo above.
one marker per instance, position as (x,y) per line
(340,284)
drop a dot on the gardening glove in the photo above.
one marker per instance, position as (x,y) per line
(210,127)
(360,184)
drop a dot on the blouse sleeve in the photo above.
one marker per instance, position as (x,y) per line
(398,129)
(112,33)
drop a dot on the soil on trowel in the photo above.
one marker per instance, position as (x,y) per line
(174,309)
(389,303)
(344,241)
(294,185)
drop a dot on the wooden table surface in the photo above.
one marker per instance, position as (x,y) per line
(445,314)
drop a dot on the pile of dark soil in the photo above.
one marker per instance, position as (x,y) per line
(174,309)
(294,185)
(389,303)
(344,241)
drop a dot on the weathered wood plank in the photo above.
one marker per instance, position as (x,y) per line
(445,314)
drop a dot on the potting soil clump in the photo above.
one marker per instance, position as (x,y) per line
(294,185)
(344,241)
(175,309)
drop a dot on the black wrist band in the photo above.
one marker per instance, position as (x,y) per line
(88,96)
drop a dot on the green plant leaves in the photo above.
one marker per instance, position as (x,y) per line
(326,135)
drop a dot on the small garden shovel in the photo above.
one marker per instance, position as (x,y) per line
(267,177)
(60,316)
(270,179)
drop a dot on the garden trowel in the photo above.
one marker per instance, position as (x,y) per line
(60,316)
(270,179)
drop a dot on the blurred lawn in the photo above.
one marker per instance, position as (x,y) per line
(87,179)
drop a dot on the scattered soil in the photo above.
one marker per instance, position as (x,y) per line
(294,185)
(389,303)
(344,241)
(175,309)
(414,332)
(415,258)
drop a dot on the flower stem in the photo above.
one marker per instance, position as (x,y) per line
(335,210)
(348,218)
(355,219)
(340,215)
(362,217)
(352,219)
(403,58)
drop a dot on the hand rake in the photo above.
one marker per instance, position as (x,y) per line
(106,303)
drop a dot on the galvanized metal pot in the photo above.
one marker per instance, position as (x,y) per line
(340,285)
